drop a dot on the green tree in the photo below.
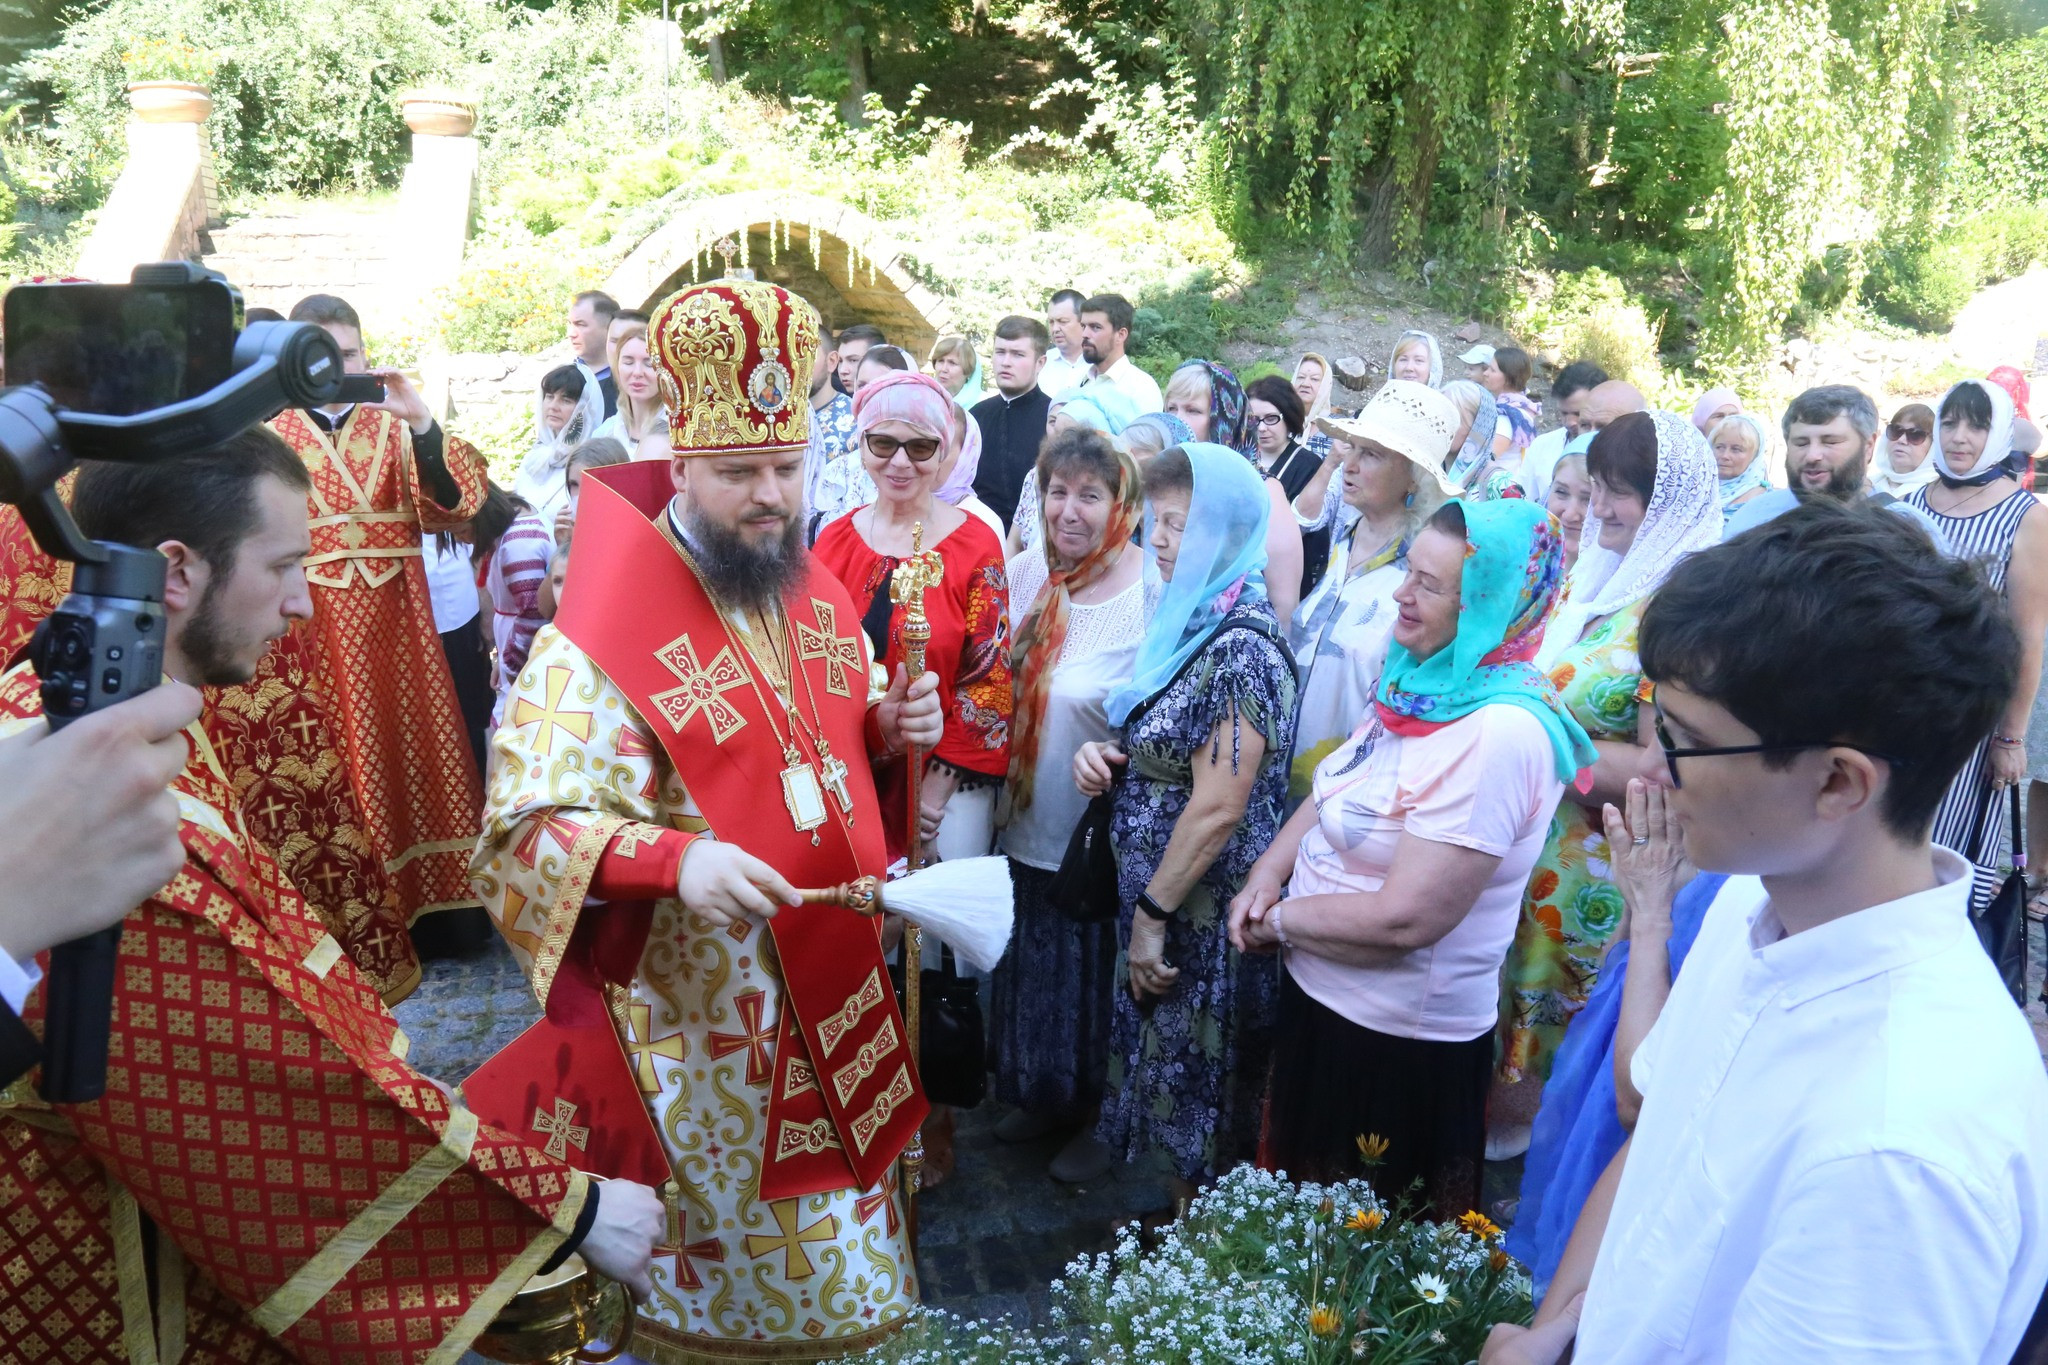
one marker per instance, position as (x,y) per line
(822,48)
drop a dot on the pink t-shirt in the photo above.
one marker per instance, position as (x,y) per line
(1487,781)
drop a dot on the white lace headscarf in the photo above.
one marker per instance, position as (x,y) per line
(1684,515)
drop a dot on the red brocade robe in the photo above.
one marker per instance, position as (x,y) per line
(380,657)
(771,1057)
(309,1196)
(279,741)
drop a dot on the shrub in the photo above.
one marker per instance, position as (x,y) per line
(1590,315)
(510,298)
(168,59)
(1923,278)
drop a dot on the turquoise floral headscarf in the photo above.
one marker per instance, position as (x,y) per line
(1514,567)
(1221,560)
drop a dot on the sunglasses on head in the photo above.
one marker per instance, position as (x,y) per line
(1911,435)
(884,448)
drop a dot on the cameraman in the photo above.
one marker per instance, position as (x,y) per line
(87,831)
(255,1073)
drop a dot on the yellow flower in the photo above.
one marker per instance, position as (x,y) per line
(1498,1261)
(1324,1320)
(1372,1148)
(1479,1225)
(1365,1220)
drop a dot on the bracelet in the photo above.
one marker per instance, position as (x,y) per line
(2007,741)
(1279,929)
(1154,908)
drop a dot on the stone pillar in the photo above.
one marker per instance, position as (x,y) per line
(159,205)
(437,207)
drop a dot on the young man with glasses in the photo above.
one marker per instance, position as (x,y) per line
(1838,1152)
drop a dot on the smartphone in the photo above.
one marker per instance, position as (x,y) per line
(360,388)
(121,349)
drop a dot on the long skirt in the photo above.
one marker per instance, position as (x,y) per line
(1967,823)
(1050,1000)
(1186,1069)
(1337,1086)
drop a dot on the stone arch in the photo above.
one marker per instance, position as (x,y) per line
(844,262)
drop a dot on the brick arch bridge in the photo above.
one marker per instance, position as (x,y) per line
(844,262)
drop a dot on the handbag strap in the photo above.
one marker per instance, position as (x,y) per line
(1131,720)
(2019,830)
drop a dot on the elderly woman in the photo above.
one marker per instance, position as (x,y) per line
(1207,722)
(1153,433)
(1393,454)
(847,484)
(955,364)
(1417,358)
(1314,381)
(1097,407)
(1655,501)
(1393,894)
(1902,464)
(909,439)
(1208,397)
(1742,451)
(1571,493)
(1712,406)
(1476,443)
(1986,516)
(1077,612)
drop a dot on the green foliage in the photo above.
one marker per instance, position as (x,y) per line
(168,59)
(2007,124)
(1924,278)
(1589,314)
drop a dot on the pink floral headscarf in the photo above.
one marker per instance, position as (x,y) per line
(920,401)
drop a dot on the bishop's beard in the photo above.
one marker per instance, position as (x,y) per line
(739,572)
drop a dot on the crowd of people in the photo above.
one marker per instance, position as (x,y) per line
(1434,730)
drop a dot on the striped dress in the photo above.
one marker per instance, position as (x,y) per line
(1986,539)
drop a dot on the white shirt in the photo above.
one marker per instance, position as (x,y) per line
(17,979)
(1840,1155)
(1061,374)
(1133,383)
(451,584)
(1538,461)
(1486,781)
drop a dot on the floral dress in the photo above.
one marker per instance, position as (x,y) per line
(1572,908)
(1187,1070)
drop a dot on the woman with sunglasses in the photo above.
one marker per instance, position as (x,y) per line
(1656,499)
(1902,464)
(908,433)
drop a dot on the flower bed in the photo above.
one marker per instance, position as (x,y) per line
(1259,1269)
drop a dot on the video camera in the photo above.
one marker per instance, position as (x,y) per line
(154,369)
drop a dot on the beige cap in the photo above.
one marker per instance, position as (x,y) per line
(1410,419)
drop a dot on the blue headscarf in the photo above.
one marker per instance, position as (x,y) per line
(1222,555)
(1514,568)
(1104,407)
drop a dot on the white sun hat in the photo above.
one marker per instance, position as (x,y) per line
(1478,355)
(1412,420)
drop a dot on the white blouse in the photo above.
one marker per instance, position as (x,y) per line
(1099,652)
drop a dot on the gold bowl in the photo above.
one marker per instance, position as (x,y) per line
(555,1317)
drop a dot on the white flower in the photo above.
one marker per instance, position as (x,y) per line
(1430,1289)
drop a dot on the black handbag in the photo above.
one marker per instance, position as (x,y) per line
(1084,888)
(2002,924)
(952,1054)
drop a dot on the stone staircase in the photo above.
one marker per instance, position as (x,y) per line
(279,255)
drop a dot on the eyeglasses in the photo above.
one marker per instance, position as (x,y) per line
(1270,419)
(1910,435)
(1672,753)
(884,448)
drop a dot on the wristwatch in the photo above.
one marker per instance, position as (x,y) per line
(1154,908)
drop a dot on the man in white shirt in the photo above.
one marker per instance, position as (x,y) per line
(1064,366)
(590,320)
(1839,1153)
(1574,384)
(1105,331)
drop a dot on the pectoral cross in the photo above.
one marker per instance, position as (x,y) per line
(834,772)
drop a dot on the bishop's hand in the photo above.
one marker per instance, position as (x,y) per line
(724,883)
(909,712)
(620,1245)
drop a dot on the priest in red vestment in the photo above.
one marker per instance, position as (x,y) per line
(281,745)
(689,740)
(264,1179)
(384,475)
